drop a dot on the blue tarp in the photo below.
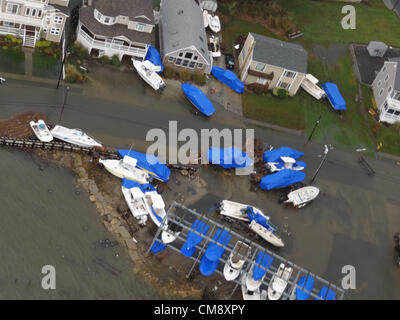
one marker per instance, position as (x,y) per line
(259,218)
(193,239)
(154,57)
(157,247)
(149,163)
(326,294)
(210,259)
(129,184)
(198,98)
(263,262)
(229,158)
(229,78)
(276,154)
(307,283)
(334,96)
(280,179)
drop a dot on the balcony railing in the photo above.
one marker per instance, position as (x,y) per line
(268,76)
(13,31)
(394,103)
(112,45)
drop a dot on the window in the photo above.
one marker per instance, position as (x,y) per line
(390,111)
(188,55)
(140,27)
(45,29)
(385,106)
(27,11)
(180,54)
(200,65)
(55,31)
(9,24)
(178,62)
(171,59)
(261,81)
(107,20)
(380,92)
(379,83)
(260,66)
(12,8)
(396,96)
(58,20)
(384,69)
(39,14)
(195,58)
(386,78)
(290,74)
(192,64)
(185,63)
(390,89)
(397,113)
(284,85)
(34,12)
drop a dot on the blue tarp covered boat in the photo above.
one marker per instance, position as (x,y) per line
(229,78)
(229,158)
(210,259)
(263,262)
(276,154)
(148,163)
(154,57)
(193,239)
(281,179)
(198,99)
(326,294)
(259,218)
(307,283)
(334,96)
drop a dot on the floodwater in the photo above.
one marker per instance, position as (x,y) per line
(47,220)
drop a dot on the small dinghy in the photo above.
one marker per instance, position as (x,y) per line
(125,168)
(74,136)
(252,295)
(194,238)
(301,197)
(279,282)
(236,260)
(214,23)
(210,260)
(198,99)
(205,18)
(237,210)
(258,270)
(306,283)
(147,72)
(136,200)
(41,131)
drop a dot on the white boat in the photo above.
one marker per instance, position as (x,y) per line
(214,23)
(266,234)
(74,136)
(137,203)
(147,72)
(205,18)
(214,47)
(252,295)
(125,168)
(236,260)
(237,210)
(286,163)
(279,282)
(41,131)
(309,84)
(301,197)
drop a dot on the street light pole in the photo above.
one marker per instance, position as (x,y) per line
(315,127)
(320,165)
(63,105)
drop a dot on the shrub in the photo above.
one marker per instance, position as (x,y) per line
(199,79)
(4,48)
(257,88)
(280,93)
(115,61)
(184,75)
(43,44)
(11,38)
(169,73)
(105,60)
(72,74)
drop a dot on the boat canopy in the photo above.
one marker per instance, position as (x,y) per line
(154,57)
(334,96)
(193,239)
(148,163)
(276,154)
(280,179)
(229,158)
(229,78)
(210,259)
(306,283)
(198,98)
(263,262)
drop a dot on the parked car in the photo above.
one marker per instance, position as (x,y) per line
(230,61)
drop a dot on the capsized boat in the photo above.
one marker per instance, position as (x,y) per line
(205,18)
(252,295)
(236,260)
(147,72)
(74,136)
(194,237)
(210,260)
(229,78)
(306,283)
(125,168)
(136,200)
(198,99)
(255,276)
(41,131)
(237,210)
(279,282)
(214,23)
(301,197)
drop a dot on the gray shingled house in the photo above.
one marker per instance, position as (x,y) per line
(183,40)
(386,88)
(116,27)
(272,63)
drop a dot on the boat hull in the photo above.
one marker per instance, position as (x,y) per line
(141,214)
(112,167)
(230,273)
(43,134)
(266,234)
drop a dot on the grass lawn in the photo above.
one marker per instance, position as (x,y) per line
(44,65)
(320,22)
(12,60)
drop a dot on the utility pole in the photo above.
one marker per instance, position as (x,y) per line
(315,127)
(63,105)
(320,165)
(65,42)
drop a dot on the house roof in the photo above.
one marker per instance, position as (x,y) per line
(280,53)
(182,26)
(86,17)
(396,84)
(134,9)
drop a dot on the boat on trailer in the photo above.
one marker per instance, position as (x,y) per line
(237,210)
(41,131)
(279,282)
(236,260)
(74,136)
(303,196)
(147,72)
(125,168)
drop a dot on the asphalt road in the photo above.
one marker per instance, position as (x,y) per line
(351,223)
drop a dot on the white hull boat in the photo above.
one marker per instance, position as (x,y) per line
(125,168)
(147,72)
(214,47)
(136,201)
(236,260)
(266,234)
(74,136)
(205,18)
(41,131)
(279,282)
(309,84)
(237,210)
(301,197)
(252,295)
(214,23)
